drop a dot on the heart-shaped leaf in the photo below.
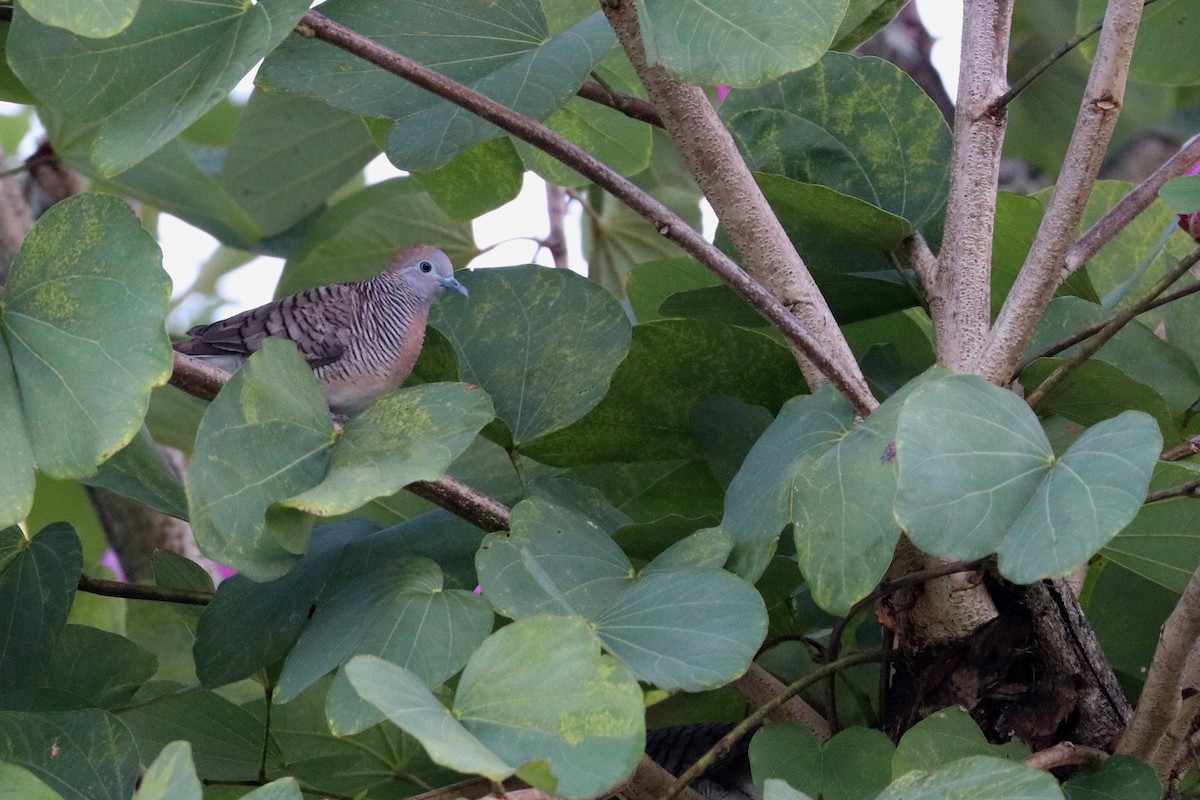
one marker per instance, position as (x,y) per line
(977,475)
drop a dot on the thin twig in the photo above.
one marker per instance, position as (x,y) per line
(627,104)
(922,258)
(1065,754)
(760,714)
(669,224)
(1178,452)
(1046,63)
(1117,218)
(1187,489)
(1109,330)
(143,591)
(1091,330)
(1041,274)
(195,377)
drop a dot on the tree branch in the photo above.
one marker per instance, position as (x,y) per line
(1184,449)
(556,211)
(1040,275)
(960,297)
(1138,200)
(759,686)
(204,381)
(1186,489)
(1066,754)
(1109,330)
(844,374)
(142,591)
(16,220)
(711,156)
(627,104)
(1153,733)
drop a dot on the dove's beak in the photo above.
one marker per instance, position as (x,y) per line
(453,285)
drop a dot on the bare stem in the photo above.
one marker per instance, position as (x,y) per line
(627,104)
(556,210)
(1041,273)
(1066,754)
(1109,330)
(844,374)
(1186,489)
(711,156)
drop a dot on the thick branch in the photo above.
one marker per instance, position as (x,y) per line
(709,152)
(16,220)
(759,686)
(197,378)
(1129,206)
(842,373)
(1044,265)
(1155,723)
(960,298)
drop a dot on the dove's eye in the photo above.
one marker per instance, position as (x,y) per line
(425,266)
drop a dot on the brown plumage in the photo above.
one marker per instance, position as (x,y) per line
(361,339)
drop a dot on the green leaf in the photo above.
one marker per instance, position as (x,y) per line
(617,238)
(398,611)
(265,438)
(621,142)
(175,571)
(797,460)
(1116,778)
(1161,543)
(775,789)
(409,435)
(881,140)
(288,155)
(83,318)
(175,179)
(16,781)
(82,755)
(535,84)
(646,415)
(850,766)
(686,629)
(544,343)
(946,736)
(227,740)
(572,707)
(574,710)
(16,467)
(483,177)
(1166,31)
(171,776)
(248,625)
(402,696)
(1095,391)
(551,561)
(282,789)
(977,475)
(37,584)
(102,667)
(863,19)
(976,777)
(1181,194)
(182,57)
(733,43)
(383,759)
(1126,611)
(96,20)
(139,472)
(357,237)
(708,548)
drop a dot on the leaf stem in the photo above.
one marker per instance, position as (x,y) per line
(1109,330)
(1187,489)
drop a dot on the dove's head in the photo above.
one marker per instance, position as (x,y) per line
(426,271)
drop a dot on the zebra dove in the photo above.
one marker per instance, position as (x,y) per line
(361,339)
